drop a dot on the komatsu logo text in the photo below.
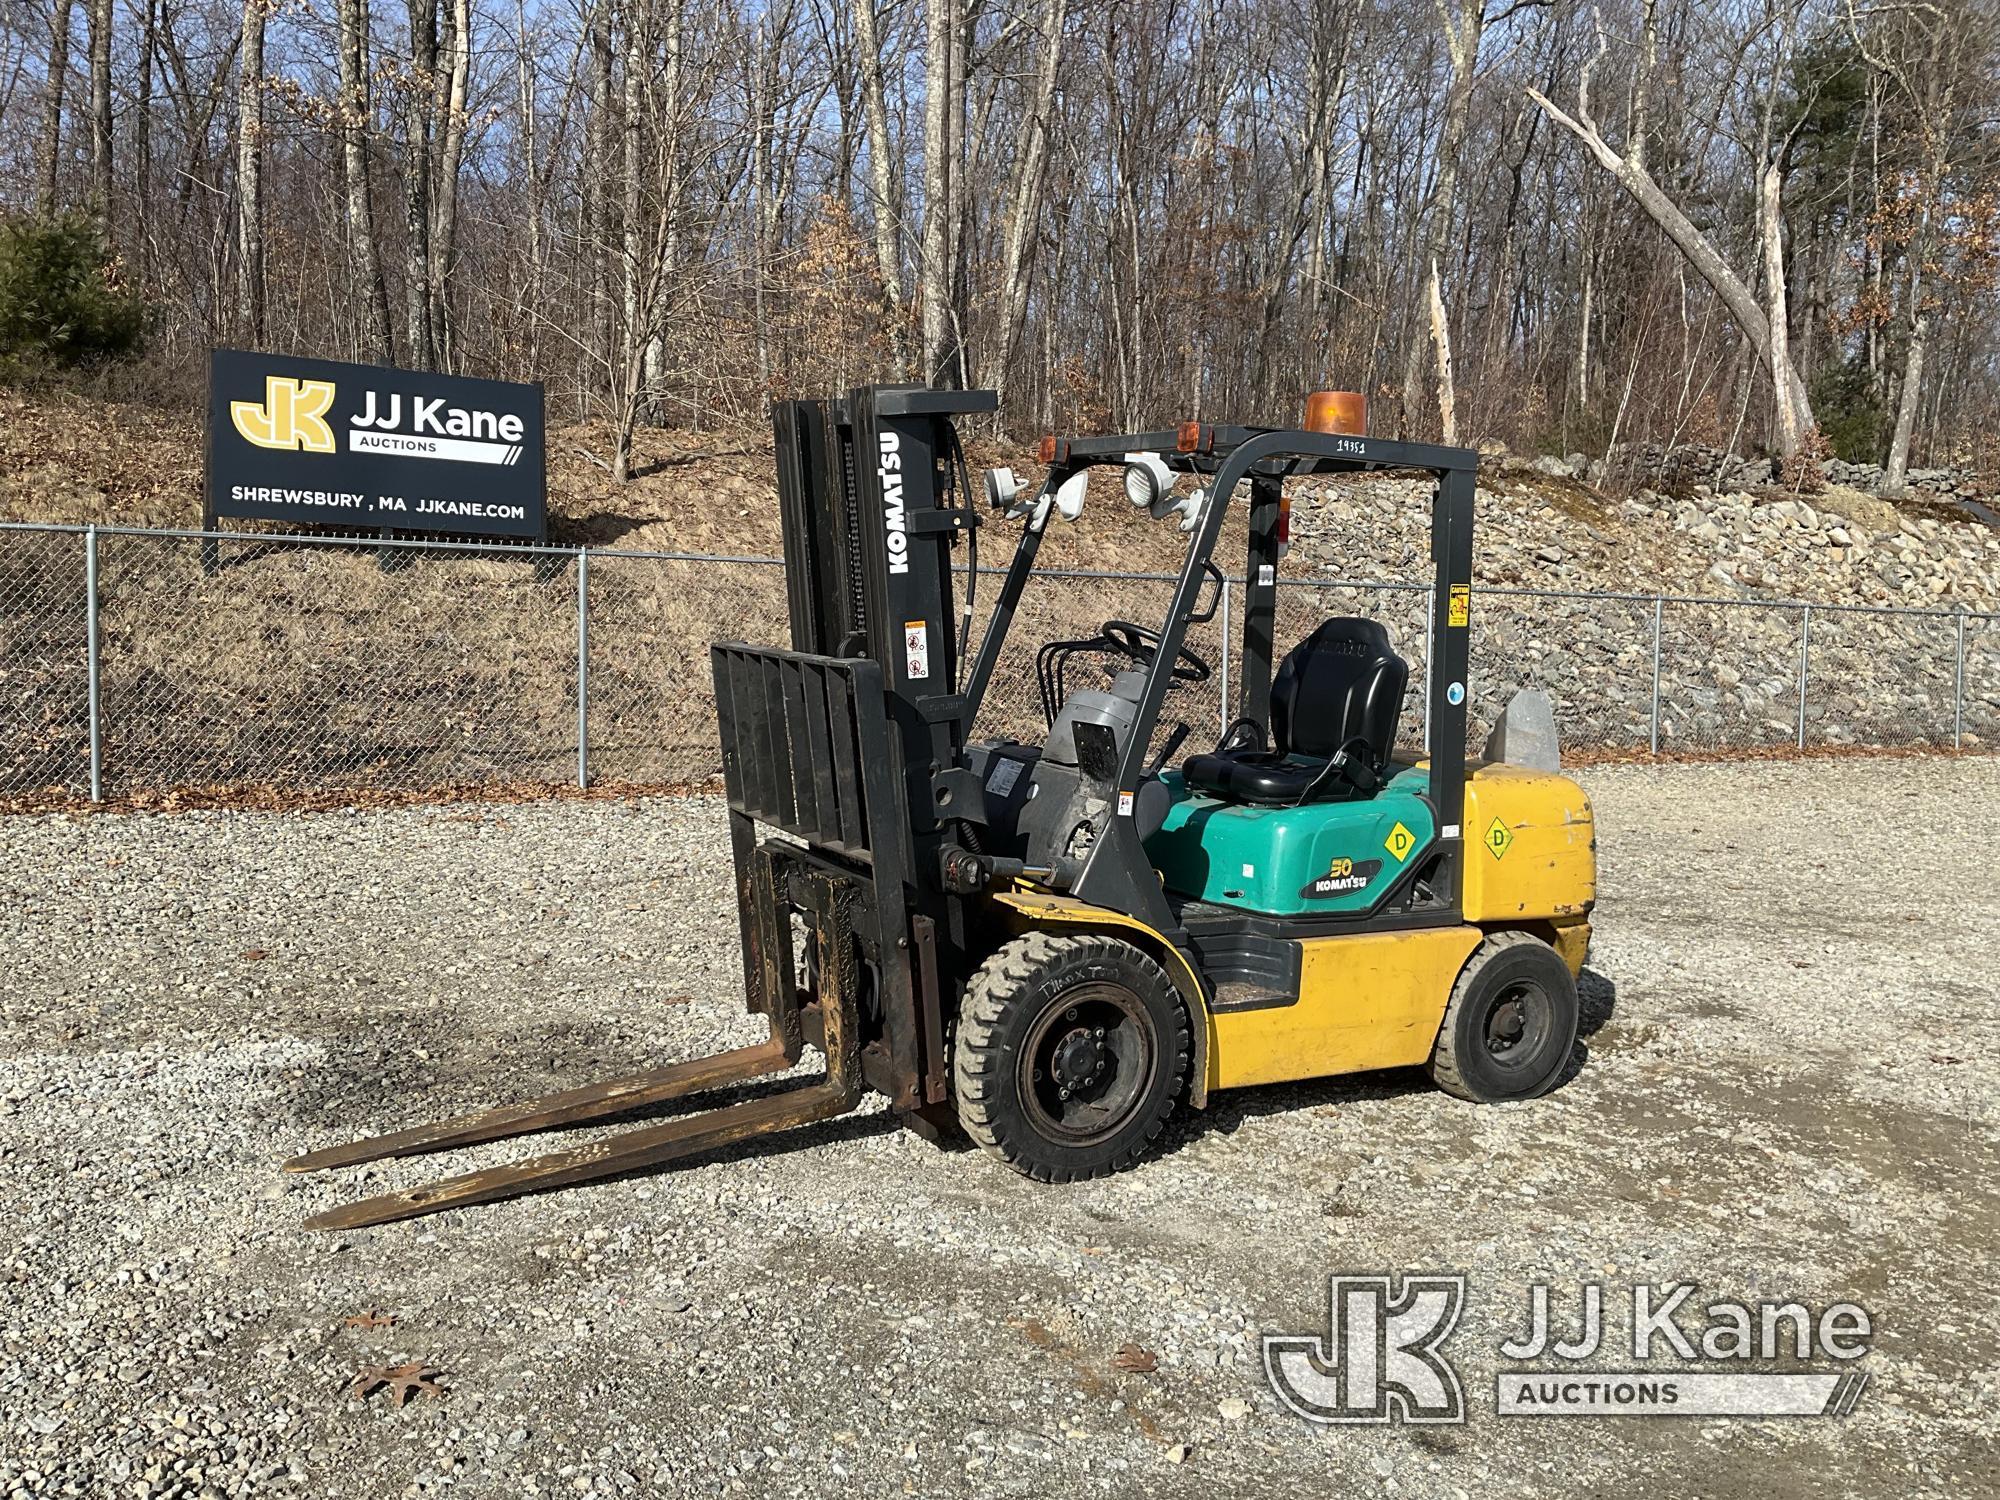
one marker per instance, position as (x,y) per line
(890,471)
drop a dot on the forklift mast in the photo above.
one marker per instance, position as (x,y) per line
(873,492)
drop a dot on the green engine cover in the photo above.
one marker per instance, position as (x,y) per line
(1325,856)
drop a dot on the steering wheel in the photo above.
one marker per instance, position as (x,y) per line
(1142,645)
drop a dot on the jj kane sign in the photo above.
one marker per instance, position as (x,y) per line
(362,447)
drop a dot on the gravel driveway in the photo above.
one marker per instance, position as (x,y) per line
(1788,1090)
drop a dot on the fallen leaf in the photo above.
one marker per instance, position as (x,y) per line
(402,1382)
(373,1318)
(253,954)
(1135,1360)
(1945,1057)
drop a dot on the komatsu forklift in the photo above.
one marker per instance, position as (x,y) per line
(1051,946)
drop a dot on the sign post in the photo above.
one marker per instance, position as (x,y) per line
(312,442)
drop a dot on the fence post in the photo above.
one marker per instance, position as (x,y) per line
(1659,608)
(90,660)
(1805,651)
(582,668)
(1958,688)
(1224,705)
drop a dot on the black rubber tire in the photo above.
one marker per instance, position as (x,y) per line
(1507,968)
(1021,994)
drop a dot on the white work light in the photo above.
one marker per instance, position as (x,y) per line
(1001,487)
(1148,482)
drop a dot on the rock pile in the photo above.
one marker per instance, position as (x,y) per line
(1683,465)
(1729,659)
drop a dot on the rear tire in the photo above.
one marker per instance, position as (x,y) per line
(1071,1053)
(1510,1025)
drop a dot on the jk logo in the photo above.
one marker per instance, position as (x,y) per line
(1380,1360)
(293,415)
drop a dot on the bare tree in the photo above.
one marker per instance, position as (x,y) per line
(52,106)
(1025,188)
(353,118)
(451,164)
(1632,175)
(1464,23)
(886,201)
(250,175)
(934,281)
(100,106)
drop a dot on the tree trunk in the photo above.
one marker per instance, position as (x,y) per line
(1462,41)
(882,183)
(667,253)
(100,109)
(451,160)
(597,214)
(1791,429)
(356,114)
(250,177)
(142,140)
(52,106)
(934,287)
(1441,340)
(1024,202)
(421,346)
(632,240)
(1896,476)
(957,212)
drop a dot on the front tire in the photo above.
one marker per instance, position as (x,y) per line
(1511,1022)
(1071,1053)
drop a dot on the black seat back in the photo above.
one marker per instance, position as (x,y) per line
(1341,683)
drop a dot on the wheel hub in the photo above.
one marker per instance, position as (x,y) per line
(1505,1026)
(1080,1058)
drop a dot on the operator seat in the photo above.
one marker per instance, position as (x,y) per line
(1335,701)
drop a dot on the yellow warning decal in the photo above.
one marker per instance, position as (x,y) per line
(1460,614)
(1499,838)
(1400,842)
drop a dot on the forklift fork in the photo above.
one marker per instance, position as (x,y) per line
(827,903)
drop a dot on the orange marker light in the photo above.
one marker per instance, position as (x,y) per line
(1046,449)
(1284,520)
(1187,437)
(1344,412)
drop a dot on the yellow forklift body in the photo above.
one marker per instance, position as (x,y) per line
(1370,1000)
(1375,999)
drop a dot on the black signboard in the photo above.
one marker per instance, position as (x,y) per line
(365,448)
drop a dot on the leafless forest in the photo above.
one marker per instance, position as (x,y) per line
(1766,224)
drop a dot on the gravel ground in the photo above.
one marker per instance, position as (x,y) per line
(1787,1089)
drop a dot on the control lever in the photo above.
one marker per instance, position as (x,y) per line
(1174,742)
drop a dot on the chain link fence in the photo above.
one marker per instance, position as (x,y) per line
(147,661)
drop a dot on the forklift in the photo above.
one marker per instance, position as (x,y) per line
(1050,946)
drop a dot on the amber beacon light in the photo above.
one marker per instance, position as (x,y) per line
(1344,412)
